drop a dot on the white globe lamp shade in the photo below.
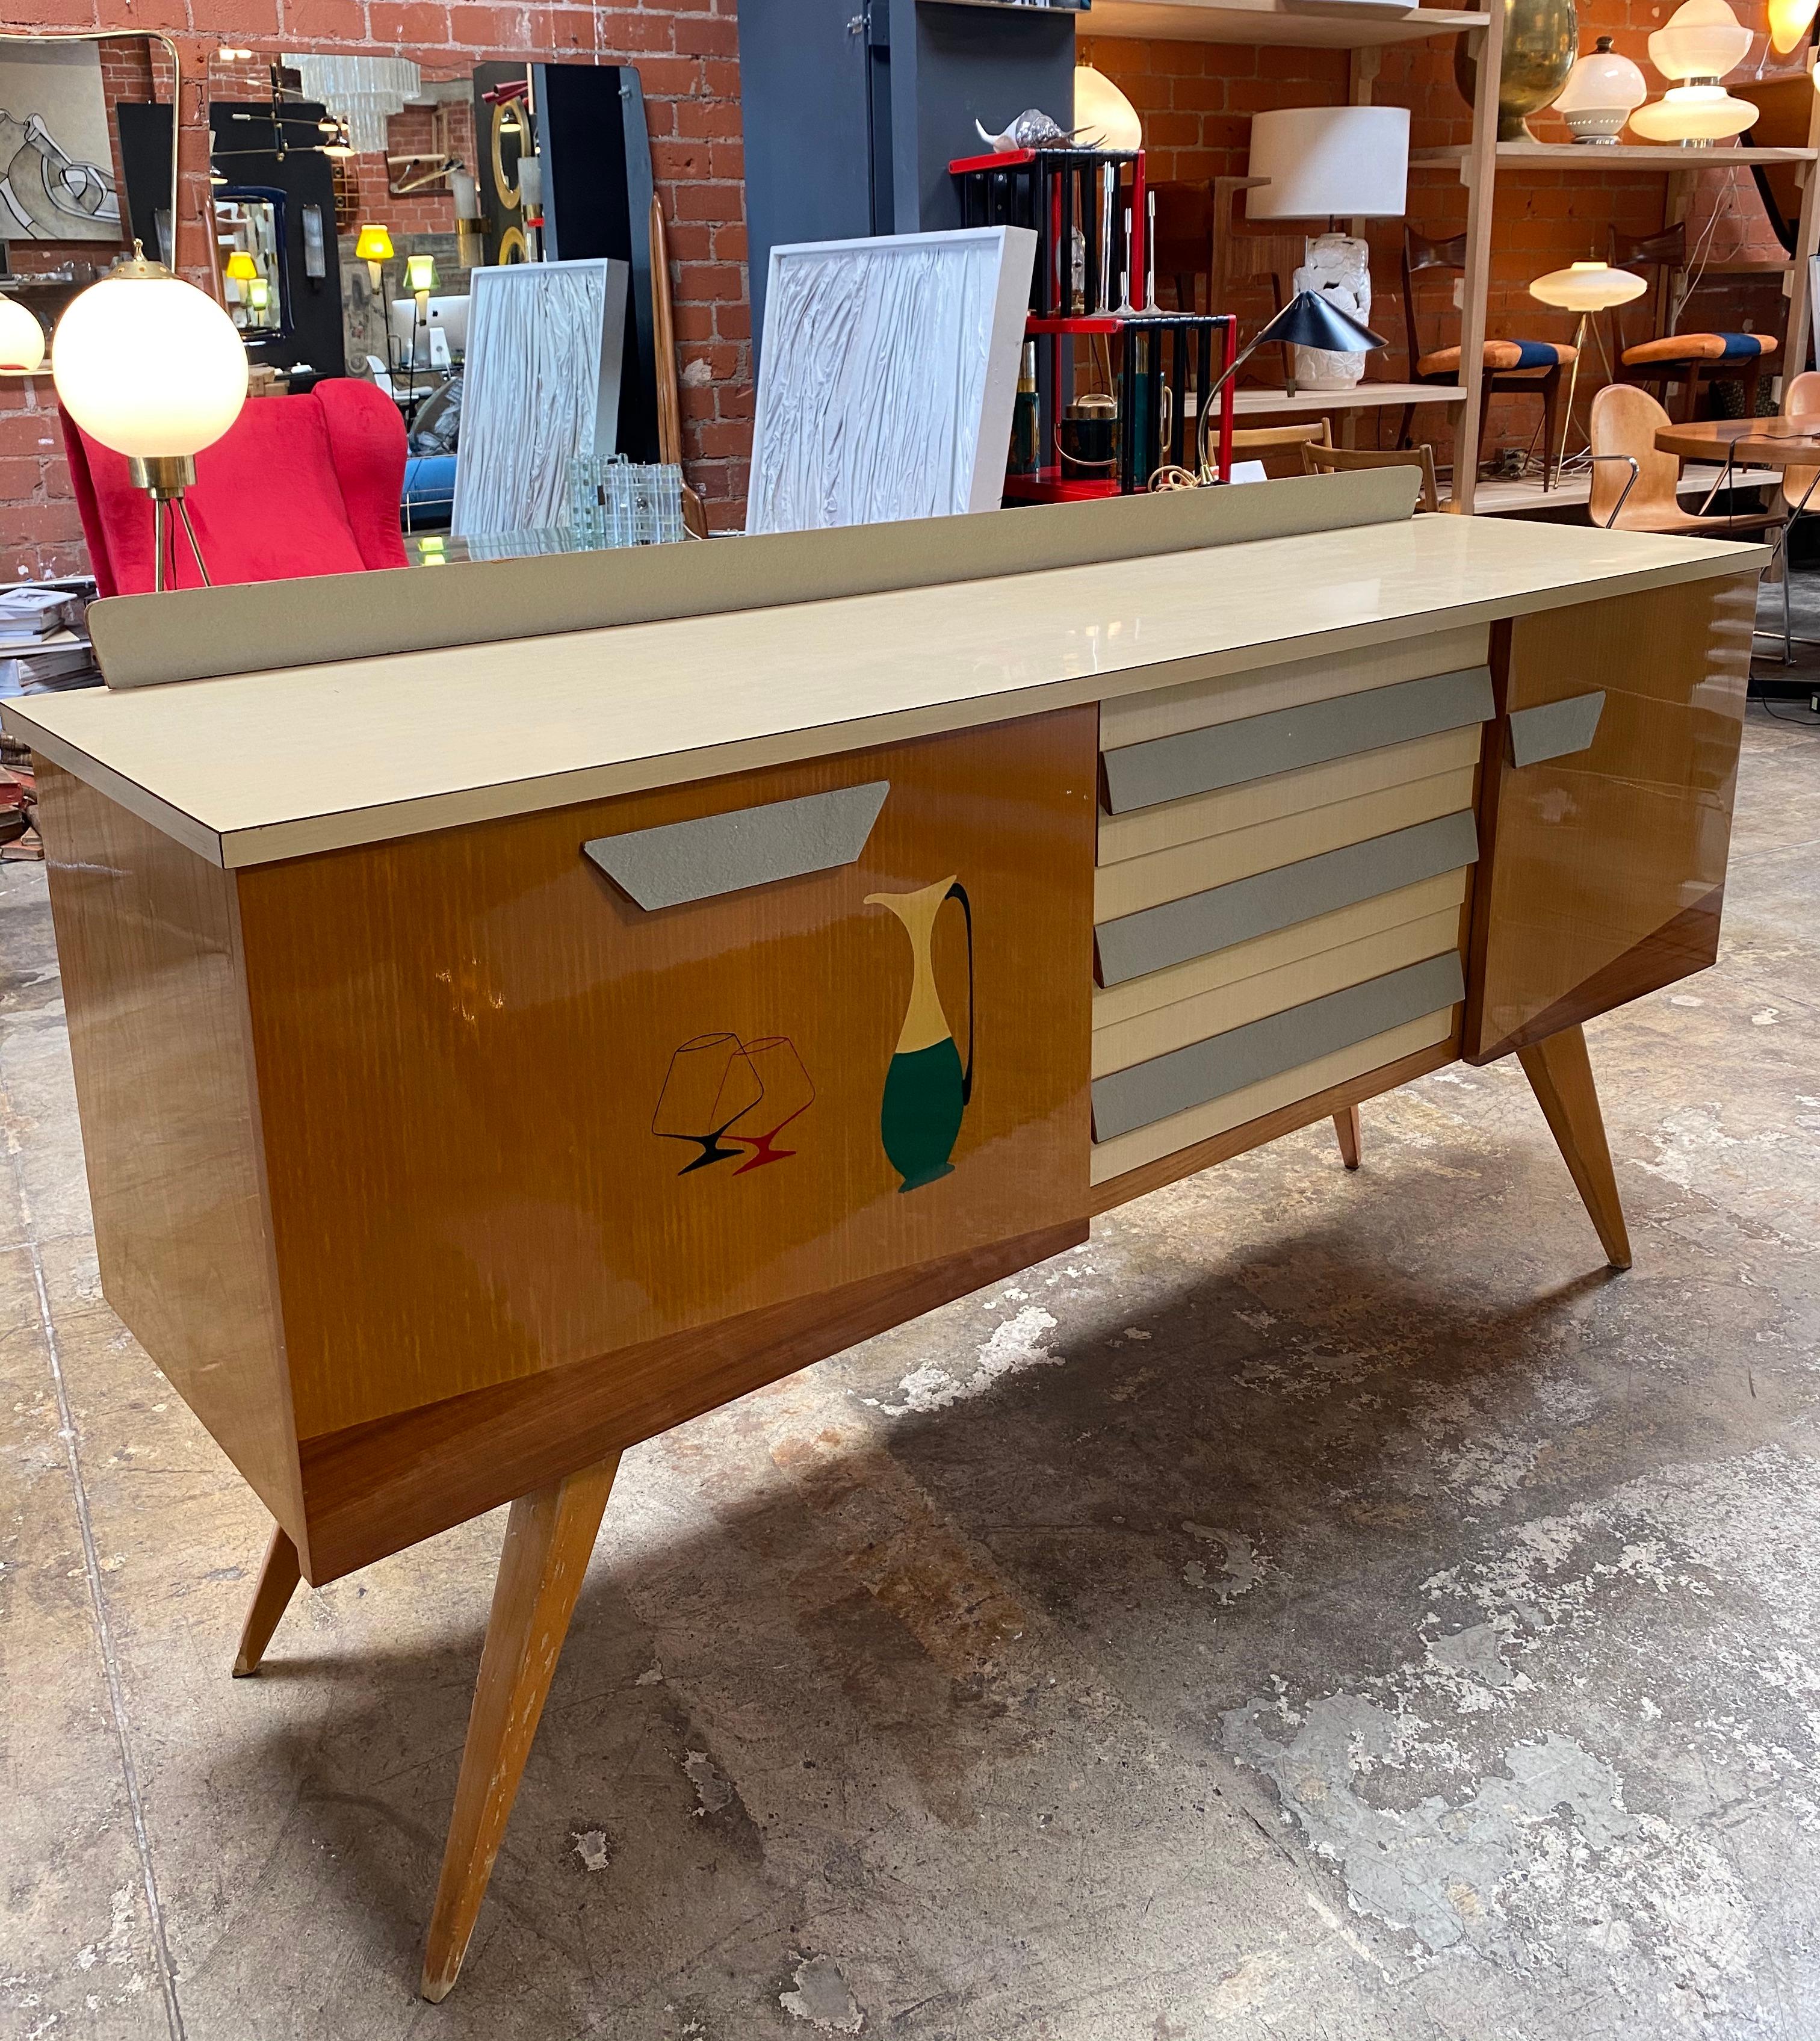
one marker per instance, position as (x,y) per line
(1103,117)
(1322,161)
(1703,38)
(150,366)
(1694,113)
(21,339)
(1602,90)
(1588,287)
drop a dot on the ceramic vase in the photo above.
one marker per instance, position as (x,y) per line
(927,1086)
(1541,39)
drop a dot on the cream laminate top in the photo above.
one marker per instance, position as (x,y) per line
(250,769)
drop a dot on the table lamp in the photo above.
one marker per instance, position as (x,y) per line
(1702,41)
(149,366)
(420,279)
(1603,90)
(1309,319)
(1329,160)
(1103,117)
(21,339)
(1584,288)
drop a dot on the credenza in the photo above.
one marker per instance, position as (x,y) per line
(518,1008)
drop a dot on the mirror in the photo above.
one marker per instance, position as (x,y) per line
(250,231)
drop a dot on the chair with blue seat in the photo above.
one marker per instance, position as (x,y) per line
(1692,360)
(1510,367)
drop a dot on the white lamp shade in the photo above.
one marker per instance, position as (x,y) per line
(1324,160)
(1588,287)
(1694,113)
(1702,38)
(150,366)
(1603,78)
(1103,117)
(21,337)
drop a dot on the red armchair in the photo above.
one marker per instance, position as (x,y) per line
(296,486)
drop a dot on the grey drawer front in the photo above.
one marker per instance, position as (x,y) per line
(1184,1077)
(678,862)
(1199,761)
(1179,929)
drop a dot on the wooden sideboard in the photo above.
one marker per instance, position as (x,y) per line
(628,981)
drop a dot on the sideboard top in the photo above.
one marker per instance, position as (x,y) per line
(250,768)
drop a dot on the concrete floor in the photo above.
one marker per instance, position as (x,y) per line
(1324,1606)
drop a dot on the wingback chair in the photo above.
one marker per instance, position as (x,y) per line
(296,486)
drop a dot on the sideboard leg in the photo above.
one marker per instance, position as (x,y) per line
(1346,1126)
(549,1538)
(1562,1079)
(278,1579)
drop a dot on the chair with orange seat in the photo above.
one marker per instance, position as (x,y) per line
(1532,368)
(1692,360)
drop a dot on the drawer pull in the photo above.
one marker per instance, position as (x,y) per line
(680,862)
(1556,729)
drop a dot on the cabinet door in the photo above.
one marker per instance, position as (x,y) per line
(1605,806)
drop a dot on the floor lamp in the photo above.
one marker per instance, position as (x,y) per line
(1584,288)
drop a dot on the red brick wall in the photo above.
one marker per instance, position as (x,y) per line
(686,52)
(1195,101)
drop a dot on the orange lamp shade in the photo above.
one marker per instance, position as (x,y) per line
(1789,20)
(374,246)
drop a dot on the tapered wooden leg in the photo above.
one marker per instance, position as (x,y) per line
(548,1538)
(1562,1079)
(278,1580)
(1346,1126)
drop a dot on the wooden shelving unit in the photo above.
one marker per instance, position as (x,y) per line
(1367,28)
(1319,24)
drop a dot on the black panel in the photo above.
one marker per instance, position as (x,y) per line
(145,164)
(242,136)
(596,202)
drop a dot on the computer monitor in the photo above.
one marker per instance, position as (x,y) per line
(447,315)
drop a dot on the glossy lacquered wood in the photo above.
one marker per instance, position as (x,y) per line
(1560,1076)
(279,765)
(1601,873)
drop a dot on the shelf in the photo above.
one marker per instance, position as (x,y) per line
(1321,25)
(1275,404)
(1625,156)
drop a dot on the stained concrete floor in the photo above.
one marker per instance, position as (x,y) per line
(1324,1606)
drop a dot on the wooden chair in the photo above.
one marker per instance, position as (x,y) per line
(1689,359)
(1529,367)
(1801,399)
(1633,484)
(1318,459)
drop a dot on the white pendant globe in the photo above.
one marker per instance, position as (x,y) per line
(21,338)
(150,366)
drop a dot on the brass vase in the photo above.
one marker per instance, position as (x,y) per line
(1541,39)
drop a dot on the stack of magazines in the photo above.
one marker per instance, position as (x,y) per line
(43,637)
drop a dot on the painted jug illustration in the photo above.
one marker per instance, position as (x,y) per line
(927,1087)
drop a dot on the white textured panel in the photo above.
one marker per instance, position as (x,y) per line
(886,378)
(541,384)
(1202,1123)
(1117,1047)
(1199,703)
(1115,1003)
(1285,794)
(1139,882)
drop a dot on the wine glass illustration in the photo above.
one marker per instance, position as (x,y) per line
(927,1087)
(710,1085)
(789,1092)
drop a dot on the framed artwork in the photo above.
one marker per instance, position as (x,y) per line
(56,162)
(546,342)
(887,377)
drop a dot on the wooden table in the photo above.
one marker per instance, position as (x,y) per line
(566,994)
